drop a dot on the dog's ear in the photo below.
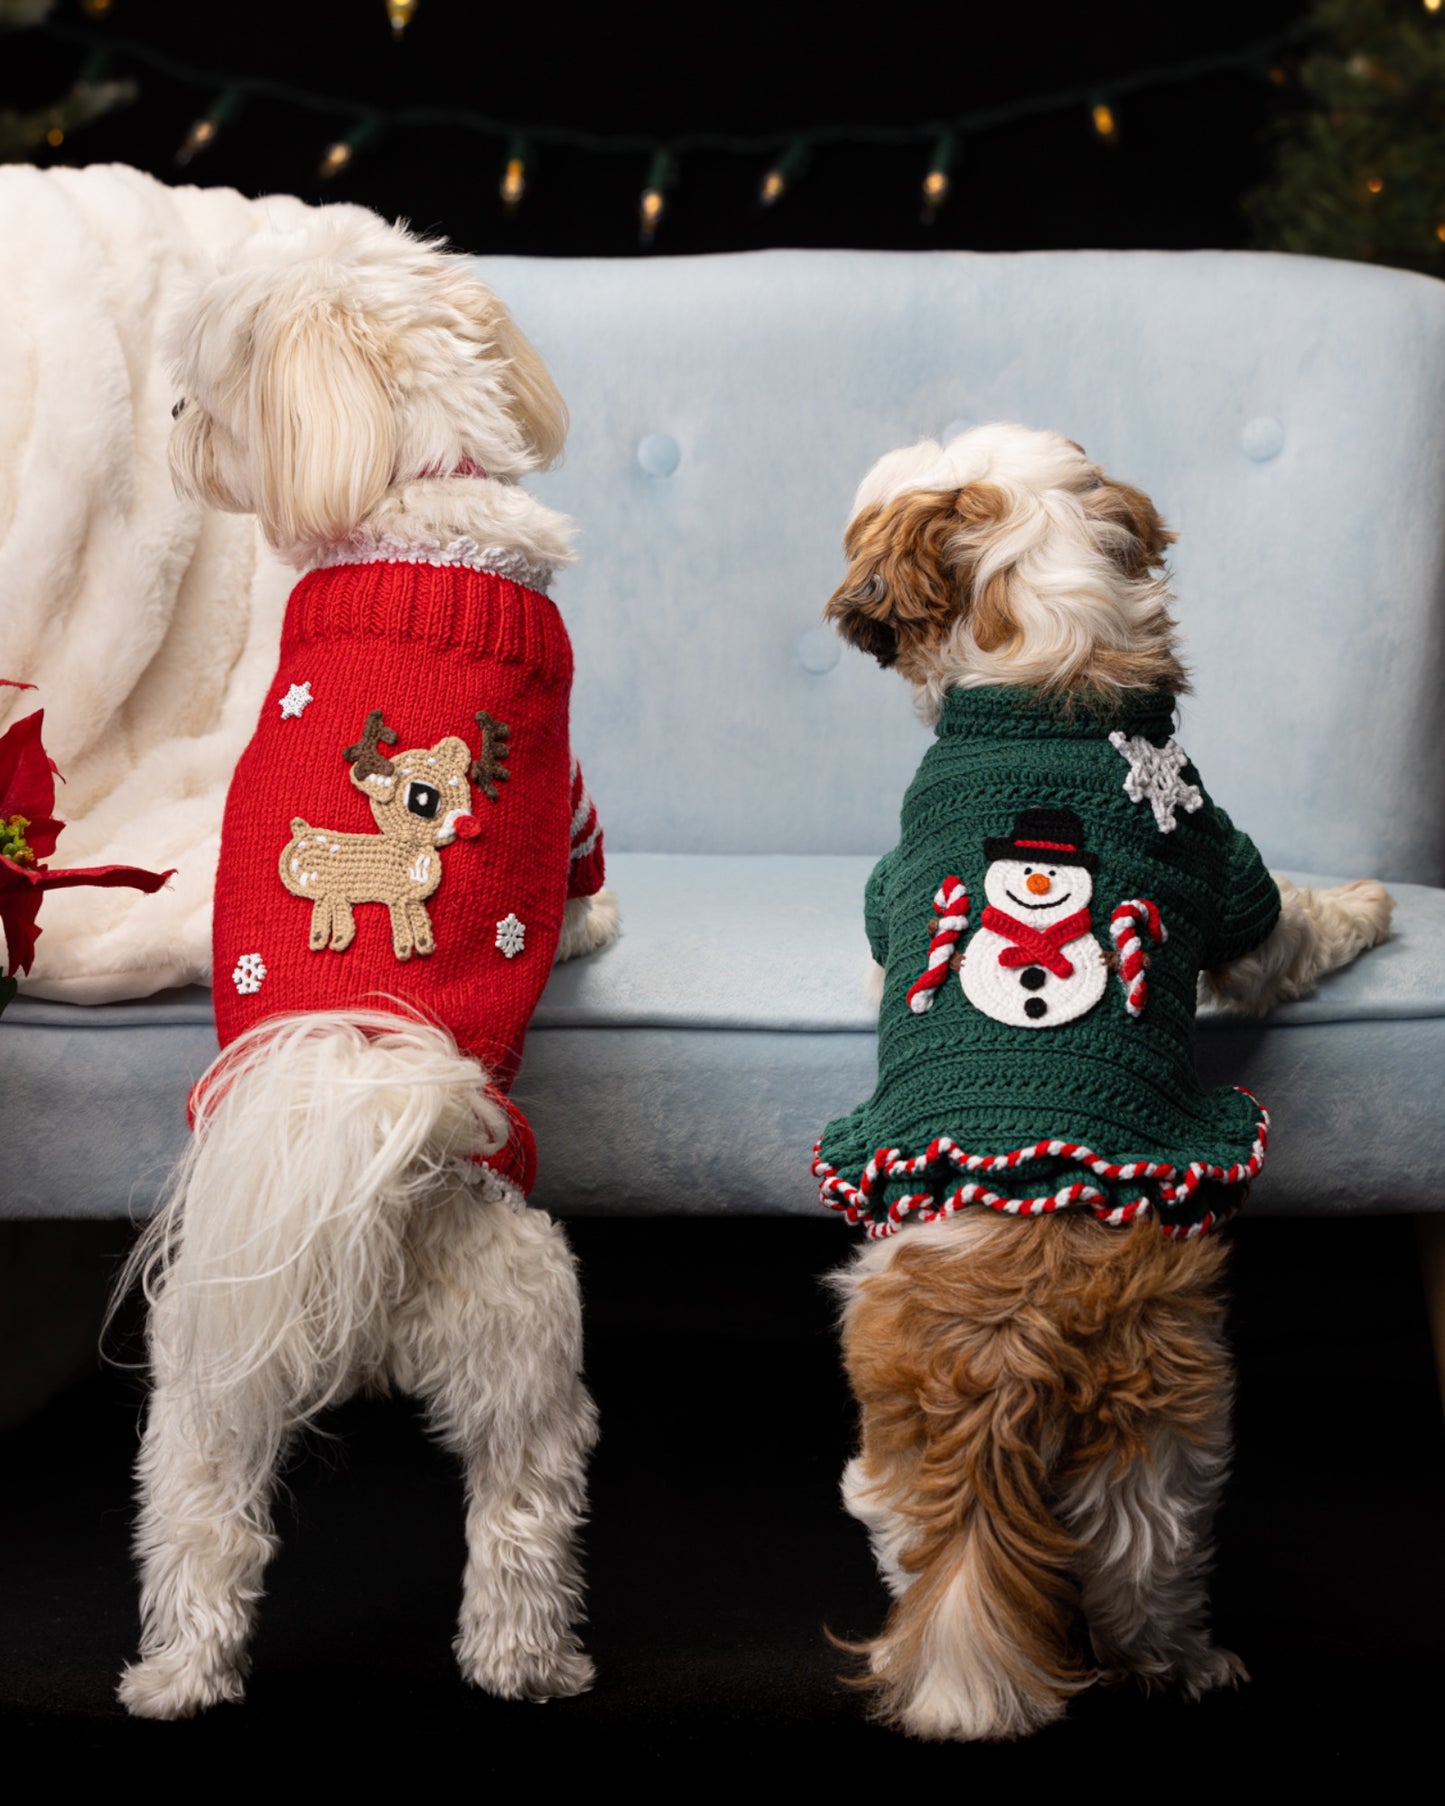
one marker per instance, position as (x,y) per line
(323,423)
(1140,538)
(911,571)
(534,400)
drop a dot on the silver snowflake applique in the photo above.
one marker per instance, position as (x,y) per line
(250,970)
(511,936)
(295,700)
(1156,776)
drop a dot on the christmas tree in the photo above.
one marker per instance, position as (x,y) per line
(89,96)
(1360,169)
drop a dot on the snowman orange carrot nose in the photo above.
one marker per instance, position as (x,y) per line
(1037,882)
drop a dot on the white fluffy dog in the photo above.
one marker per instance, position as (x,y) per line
(351,1211)
(1043,1386)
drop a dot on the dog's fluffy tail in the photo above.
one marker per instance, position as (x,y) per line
(276,1255)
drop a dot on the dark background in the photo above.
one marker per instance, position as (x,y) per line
(1186,153)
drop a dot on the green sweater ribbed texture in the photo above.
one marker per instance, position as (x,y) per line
(1124,1087)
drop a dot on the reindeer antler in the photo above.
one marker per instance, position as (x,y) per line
(491,769)
(366,756)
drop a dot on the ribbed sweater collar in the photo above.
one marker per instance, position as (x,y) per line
(999,712)
(445,606)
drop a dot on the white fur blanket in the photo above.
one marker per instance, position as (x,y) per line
(149,627)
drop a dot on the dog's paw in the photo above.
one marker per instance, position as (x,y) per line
(589,924)
(948,1713)
(171,1685)
(1210,1669)
(520,1671)
(1368,906)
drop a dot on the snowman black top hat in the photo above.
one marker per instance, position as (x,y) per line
(1044,837)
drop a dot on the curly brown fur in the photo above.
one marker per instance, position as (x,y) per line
(1041,570)
(999,1366)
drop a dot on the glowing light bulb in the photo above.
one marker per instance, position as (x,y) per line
(1440,232)
(938,183)
(200,136)
(334,159)
(1105,123)
(654,204)
(782,172)
(401,13)
(1375,184)
(55,137)
(1278,75)
(96,9)
(514,183)
(204,132)
(1433,6)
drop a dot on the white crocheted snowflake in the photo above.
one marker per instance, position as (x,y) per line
(1156,776)
(249,972)
(511,936)
(295,700)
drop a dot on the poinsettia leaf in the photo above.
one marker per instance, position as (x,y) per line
(22,887)
(19,906)
(106,876)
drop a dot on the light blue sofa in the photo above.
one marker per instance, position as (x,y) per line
(1288,415)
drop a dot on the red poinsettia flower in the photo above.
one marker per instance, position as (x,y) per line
(28,832)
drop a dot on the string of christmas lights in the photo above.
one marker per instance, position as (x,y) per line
(786,156)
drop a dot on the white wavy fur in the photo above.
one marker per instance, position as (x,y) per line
(327,1229)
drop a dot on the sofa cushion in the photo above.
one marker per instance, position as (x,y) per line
(691,1066)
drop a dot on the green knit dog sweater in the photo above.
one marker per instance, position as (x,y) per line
(1060,881)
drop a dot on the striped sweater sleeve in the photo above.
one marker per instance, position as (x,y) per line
(586,872)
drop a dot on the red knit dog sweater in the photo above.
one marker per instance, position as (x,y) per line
(408,823)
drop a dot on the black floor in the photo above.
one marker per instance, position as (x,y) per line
(718,1550)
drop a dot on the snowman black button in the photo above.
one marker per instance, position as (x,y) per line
(1034,1007)
(1033,978)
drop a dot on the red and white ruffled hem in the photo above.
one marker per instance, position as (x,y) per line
(1174,1186)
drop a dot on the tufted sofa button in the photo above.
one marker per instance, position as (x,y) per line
(819,649)
(1262,439)
(659,454)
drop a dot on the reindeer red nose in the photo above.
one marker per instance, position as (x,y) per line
(466,827)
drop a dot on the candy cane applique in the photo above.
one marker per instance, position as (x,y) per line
(1128,926)
(950,906)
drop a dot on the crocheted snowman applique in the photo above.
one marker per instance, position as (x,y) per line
(1034,961)
(421,801)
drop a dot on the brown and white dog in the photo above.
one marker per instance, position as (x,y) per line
(1045,1401)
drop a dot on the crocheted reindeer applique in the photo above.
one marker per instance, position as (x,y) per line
(421,800)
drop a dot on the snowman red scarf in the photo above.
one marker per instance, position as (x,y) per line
(1037,946)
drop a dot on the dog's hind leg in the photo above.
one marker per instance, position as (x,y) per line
(953,1370)
(1144,1530)
(490,1335)
(203,1539)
